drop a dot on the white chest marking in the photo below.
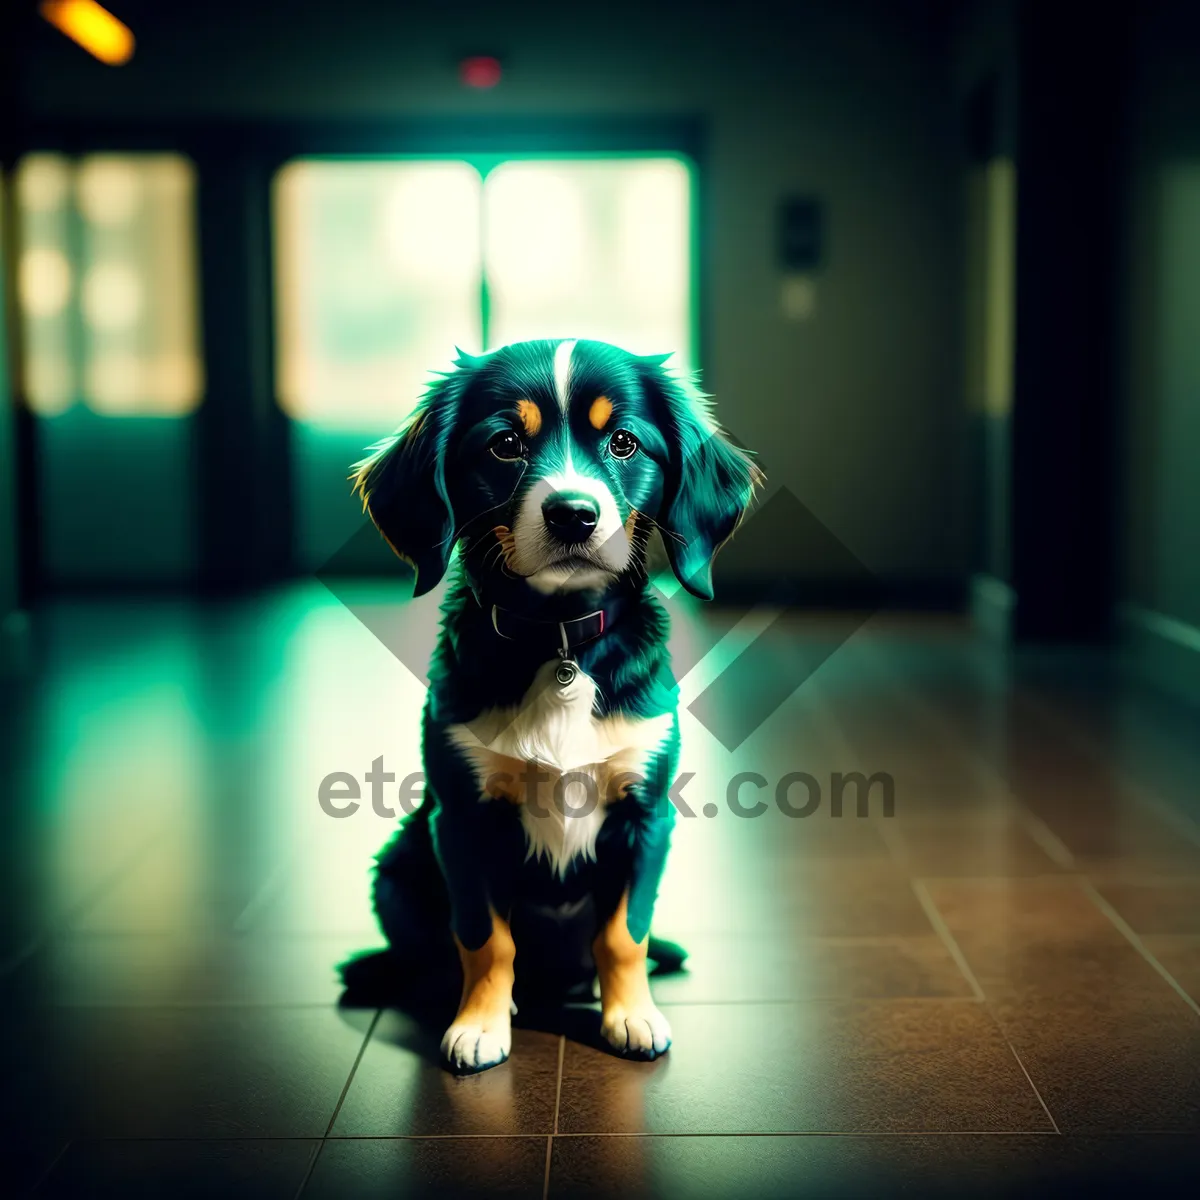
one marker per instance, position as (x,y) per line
(560,763)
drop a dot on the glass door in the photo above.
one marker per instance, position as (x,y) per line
(384,266)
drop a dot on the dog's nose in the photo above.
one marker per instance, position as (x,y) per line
(570,516)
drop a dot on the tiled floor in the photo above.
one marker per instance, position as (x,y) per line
(994,990)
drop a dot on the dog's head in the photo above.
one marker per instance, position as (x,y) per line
(551,462)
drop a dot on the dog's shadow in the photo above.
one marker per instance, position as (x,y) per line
(428,993)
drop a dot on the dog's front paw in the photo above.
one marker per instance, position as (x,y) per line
(641,1032)
(468,1047)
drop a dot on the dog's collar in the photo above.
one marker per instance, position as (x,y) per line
(563,637)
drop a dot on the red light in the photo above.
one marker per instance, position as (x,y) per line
(480,71)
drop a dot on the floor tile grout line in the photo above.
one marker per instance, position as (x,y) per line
(838,940)
(189,1005)
(925,900)
(562,1051)
(310,1167)
(272,1006)
(836,733)
(927,711)
(312,1162)
(353,1071)
(1043,835)
(1050,843)
(546,1170)
(562,1054)
(833,1133)
(990,879)
(830,998)
(49,1169)
(1020,1063)
(529,1137)
(1134,939)
(835,736)
(122,1138)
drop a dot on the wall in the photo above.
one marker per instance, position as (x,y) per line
(8,496)
(10,623)
(983,56)
(1160,430)
(1044,429)
(857,410)
(1161,565)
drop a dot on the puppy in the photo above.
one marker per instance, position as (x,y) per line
(550,734)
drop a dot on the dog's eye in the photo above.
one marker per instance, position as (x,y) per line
(507,447)
(622,444)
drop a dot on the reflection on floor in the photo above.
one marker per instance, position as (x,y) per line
(993,990)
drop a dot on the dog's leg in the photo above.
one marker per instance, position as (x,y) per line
(629,1020)
(481,1035)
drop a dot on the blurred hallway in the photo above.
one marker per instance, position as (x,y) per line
(938,262)
(1005,972)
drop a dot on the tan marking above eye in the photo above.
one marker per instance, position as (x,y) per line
(531,416)
(600,411)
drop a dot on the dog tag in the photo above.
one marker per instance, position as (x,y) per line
(566,671)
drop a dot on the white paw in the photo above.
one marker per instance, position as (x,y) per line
(470,1047)
(637,1033)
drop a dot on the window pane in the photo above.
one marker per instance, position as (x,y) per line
(46,281)
(108,283)
(377,280)
(138,289)
(591,248)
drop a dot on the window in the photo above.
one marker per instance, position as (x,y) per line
(377,277)
(593,248)
(384,267)
(107,284)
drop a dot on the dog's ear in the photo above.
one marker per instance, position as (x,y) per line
(709,482)
(402,481)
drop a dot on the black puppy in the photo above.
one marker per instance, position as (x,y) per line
(550,733)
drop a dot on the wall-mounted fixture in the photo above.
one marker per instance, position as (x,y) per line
(800,233)
(800,252)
